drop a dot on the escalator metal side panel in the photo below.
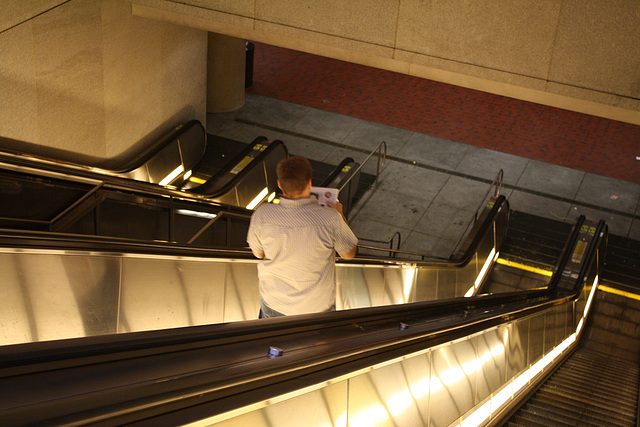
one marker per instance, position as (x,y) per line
(450,375)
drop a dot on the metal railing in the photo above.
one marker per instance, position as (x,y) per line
(392,252)
(496,185)
(427,257)
(227,215)
(382,157)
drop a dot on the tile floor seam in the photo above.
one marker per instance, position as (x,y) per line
(449,172)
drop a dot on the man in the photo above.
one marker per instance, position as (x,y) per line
(298,239)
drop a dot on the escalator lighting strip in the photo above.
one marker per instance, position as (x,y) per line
(488,262)
(615,291)
(167,179)
(490,259)
(197,180)
(197,214)
(260,197)
(528,268)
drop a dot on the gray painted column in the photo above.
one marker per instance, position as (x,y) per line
(225,73)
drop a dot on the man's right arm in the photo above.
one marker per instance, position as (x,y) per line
(351,254)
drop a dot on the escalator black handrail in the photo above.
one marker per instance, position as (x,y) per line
(497,184)
(139,159)
(212,180)
(122,163)
(210,189)
(594,253)
(335,172)
(47,240)
(108,182)
(459,318)
(566,253)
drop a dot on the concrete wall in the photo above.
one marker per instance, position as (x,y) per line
(90,78)
(581,55)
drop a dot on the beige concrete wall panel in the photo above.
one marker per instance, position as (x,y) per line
(132,76)
(184,78)
(222,20)
(598,46)
(435,68)
(15,12)
(18,106)
(370,21)
(515,36)
(244,8)
(69,78)
(319,43)
(225,73)
(595,103)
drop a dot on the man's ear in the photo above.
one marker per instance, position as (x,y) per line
(279,186)
(309,185)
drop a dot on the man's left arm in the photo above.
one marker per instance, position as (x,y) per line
(258,254)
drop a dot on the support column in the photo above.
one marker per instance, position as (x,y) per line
(225,73)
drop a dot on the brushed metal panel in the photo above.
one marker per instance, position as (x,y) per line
(536,337)
(242,294)
(492,358)
(352,290)
(454,371)
(517,343)
(417,370)
(447,279)
(61,296)
(383,396)
(322,407)
(374,286)
(16,315)
(164,293)
(426,284)
(96,286)
(550,330)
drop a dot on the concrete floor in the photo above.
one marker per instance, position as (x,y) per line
(429,188)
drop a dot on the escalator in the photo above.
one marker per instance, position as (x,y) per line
(174,320)
(598,383)
(222,170)
(590,388)
(421,363)
(60,199)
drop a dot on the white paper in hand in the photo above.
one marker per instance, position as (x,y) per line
(323,194)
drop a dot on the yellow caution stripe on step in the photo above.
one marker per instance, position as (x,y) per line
(529,268)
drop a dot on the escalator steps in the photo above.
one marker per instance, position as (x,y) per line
(590,388)
(534,241)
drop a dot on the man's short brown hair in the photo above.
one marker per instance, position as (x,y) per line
(293,174)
